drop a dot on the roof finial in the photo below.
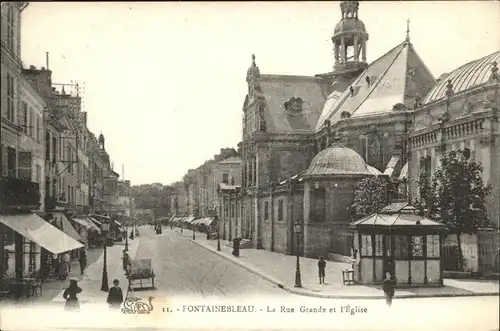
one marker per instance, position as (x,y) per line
(408,30)
(253,60)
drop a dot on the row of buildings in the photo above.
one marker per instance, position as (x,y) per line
(307,141)
(52,166)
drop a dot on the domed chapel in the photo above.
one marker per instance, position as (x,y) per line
(307,140)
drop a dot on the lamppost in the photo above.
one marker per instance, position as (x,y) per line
(297,228)
(194,230)
(126,235)
(104,284)
(218,237)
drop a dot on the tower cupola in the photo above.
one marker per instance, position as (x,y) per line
(349,40)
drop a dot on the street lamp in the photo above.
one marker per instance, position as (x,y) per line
(297,228)
(126,235)
(218,237)
(104,283)
(194,230)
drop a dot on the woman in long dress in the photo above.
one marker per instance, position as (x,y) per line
(70,295)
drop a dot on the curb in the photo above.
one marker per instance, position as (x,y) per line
(334,296)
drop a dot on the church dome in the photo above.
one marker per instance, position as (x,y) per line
(337,161)
(349,26)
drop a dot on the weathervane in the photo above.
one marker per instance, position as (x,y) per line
(408,30)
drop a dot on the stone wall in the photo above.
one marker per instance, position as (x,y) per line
(317,240)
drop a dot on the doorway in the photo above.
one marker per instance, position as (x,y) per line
(389,265)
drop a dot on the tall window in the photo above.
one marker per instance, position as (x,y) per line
(25,117)
(30,122)
(11,91)
(417,246)
(266,210)
(25,165)
(433,245)
(379,245)
(366,245)
(225,178)
(280,210)
(39,129)
(401,247)
(38,172)
(10,27)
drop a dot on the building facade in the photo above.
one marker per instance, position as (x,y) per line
(307,141)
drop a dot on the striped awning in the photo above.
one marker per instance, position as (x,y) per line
(37,230)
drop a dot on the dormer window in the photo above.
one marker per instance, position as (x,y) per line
(368,81)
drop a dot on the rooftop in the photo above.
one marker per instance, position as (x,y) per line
(467,76)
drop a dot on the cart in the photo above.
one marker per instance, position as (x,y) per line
(141,270)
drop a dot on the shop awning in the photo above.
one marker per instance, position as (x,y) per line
(35,229)
(95,221)
(87,223)
(67,227)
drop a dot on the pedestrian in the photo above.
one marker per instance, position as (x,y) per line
(70,295)
(388,287)
(83,259)
(115,295)
(65,266)
(127,263)
(321,269)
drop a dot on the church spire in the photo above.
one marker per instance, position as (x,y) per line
(407,30)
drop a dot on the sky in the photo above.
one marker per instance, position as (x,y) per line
(165,82)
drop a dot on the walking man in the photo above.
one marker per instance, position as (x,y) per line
(388,287)
(321,270)
(83,259)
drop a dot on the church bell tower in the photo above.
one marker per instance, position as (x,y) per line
(349,41)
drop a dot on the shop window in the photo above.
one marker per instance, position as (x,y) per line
(417,246)
(30,256)
(266,210)
(280,210)
(401,247)
(366,245)
(433,248)
(379,245)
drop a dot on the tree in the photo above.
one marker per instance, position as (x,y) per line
(370,194)
(426,200)
(460,194)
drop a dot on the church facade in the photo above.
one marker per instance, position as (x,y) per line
(307,140)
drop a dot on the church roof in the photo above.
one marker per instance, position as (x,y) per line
(465,77)
(396,77)
(337,160)
(278,89)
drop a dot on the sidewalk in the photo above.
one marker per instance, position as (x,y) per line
(280,270)
(90,282)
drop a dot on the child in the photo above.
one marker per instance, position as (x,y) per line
(388,287)
(115,296)
(321,269)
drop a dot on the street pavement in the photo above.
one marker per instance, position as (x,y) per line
(188,275)
(279,269)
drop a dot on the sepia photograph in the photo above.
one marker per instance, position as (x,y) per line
(300,165)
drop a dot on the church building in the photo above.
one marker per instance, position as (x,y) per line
(308,140)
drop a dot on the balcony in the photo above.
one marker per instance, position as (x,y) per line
(18,194)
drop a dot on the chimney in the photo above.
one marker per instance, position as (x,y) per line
(47,60)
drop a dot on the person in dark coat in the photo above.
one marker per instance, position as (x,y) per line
(70,295)
(83,259)
(115,295)
(127,262)
(388,287)
(321,270)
